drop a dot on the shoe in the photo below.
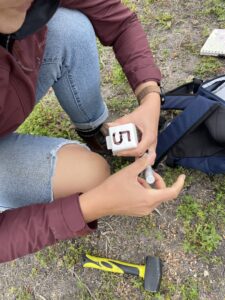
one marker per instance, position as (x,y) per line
(95,139)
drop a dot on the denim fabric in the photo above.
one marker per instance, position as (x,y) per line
(71,67)
(27,164)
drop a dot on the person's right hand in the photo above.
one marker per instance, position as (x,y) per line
(124,193)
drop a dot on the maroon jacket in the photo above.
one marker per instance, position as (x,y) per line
(26,230)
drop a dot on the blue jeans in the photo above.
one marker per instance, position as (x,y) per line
(71,67)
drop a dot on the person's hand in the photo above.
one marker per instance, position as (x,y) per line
(146,119)
(124,193)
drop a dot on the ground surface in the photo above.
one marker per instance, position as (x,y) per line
(189,234)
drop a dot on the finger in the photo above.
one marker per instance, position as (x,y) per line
(178,184)
(148,141)
(119,121)
(152,147)
(140,164)
(159,182)
(172,192)
(143,146)
(137,152)
(133,153)
(143,183)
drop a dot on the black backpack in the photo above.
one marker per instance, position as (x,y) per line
(195,138)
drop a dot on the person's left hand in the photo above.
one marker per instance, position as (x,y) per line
(146,119)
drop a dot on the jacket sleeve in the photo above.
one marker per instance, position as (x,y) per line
(29,229)
(116,26)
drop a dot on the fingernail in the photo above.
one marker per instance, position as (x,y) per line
(183,176)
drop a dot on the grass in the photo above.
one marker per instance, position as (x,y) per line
(21,293)
(191,47)
(130,4)
(122,105)
(65,254)
(187,290)
(48,119)
(201,222)
(155,43)
(117,75)
(165,20)
(108,283)
(208,67)
(215,8)
(170,175)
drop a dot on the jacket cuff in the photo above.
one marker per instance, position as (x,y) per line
(143,75)
(67,221)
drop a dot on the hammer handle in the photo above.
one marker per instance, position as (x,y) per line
(111,265)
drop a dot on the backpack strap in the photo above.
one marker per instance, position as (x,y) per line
(182,96)
(191,117)
(186,89)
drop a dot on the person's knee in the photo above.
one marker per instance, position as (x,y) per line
(96,168)
(78,170)
(71,28)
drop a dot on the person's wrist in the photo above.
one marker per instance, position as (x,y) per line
(151,99)
(143,85)
(93,205)
(147,89)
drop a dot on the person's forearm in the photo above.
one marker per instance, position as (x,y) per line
(93,205)
(29,229)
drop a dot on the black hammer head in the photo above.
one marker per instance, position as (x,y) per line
(153,273)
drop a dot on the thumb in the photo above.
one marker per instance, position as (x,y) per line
(172,192)
(141,164)
(112,124)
